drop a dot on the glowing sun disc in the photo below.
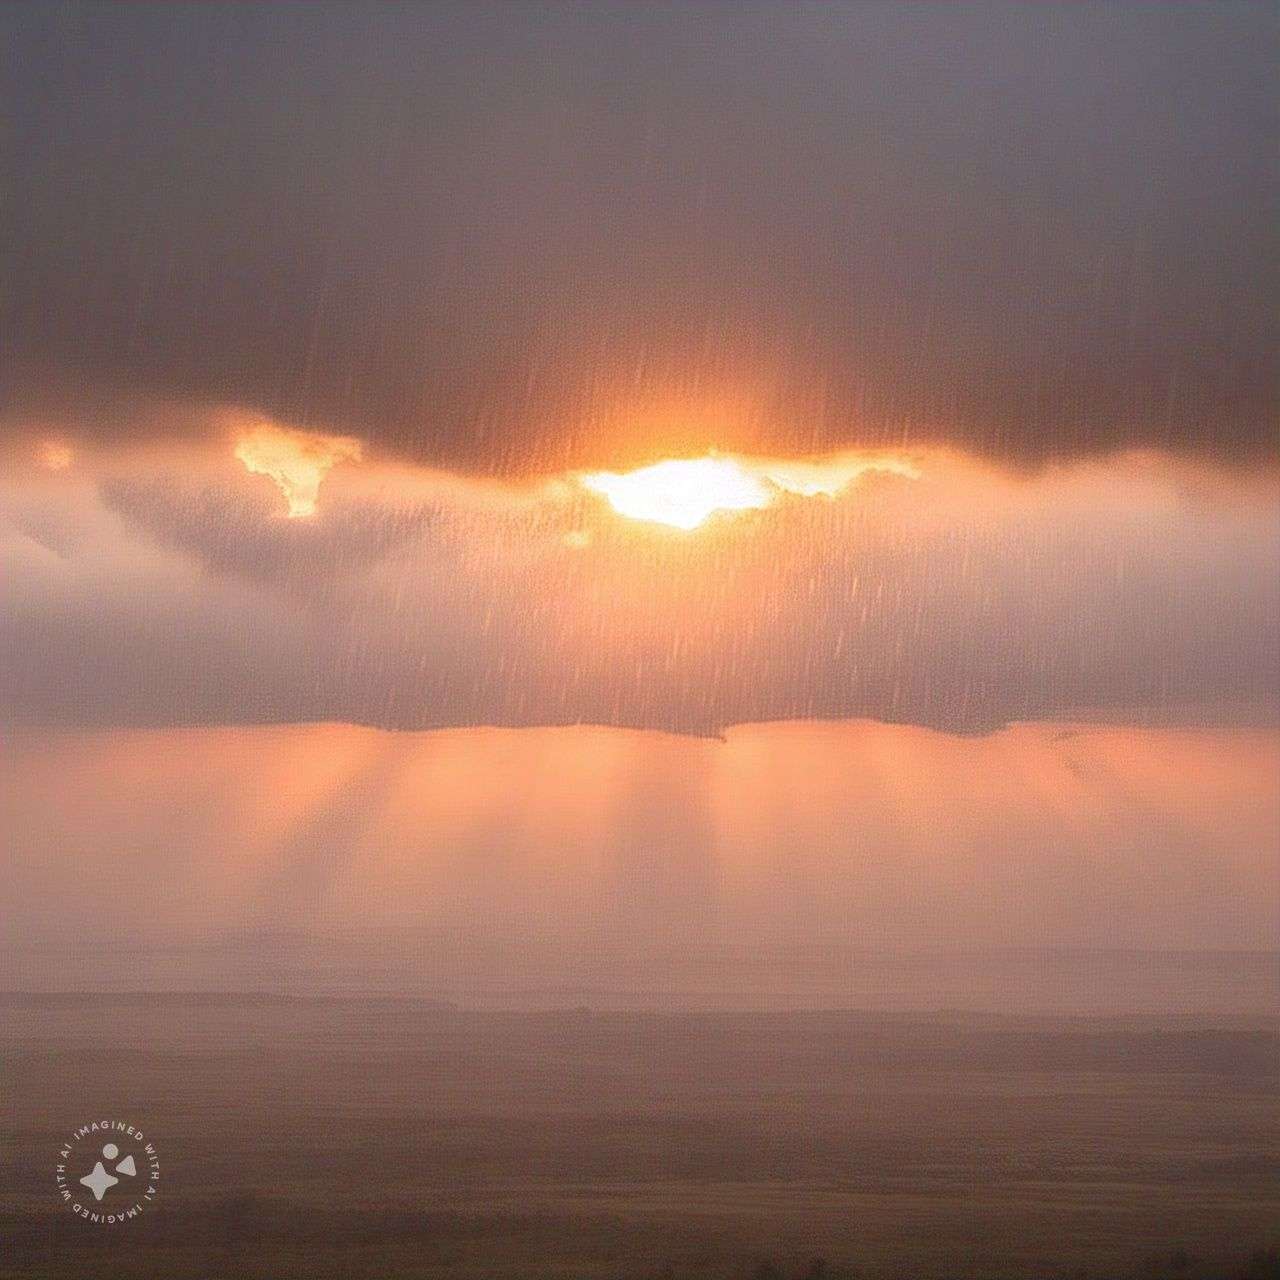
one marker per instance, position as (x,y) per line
(681,492)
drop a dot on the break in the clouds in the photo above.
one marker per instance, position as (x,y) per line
(168,585)
(521,238)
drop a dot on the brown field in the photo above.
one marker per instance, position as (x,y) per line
(391,1138)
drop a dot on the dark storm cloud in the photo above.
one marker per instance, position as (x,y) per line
(498,237)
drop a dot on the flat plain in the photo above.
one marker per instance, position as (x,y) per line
(393,1138)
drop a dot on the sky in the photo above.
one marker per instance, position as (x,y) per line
(801,472)
(584,865)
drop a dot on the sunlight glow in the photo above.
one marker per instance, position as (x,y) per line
(683,492)
(296,460)
(54,455)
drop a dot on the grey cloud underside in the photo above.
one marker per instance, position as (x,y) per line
(493,236)
(230,531)
(186,604)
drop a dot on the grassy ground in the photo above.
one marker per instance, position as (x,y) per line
(389,1139)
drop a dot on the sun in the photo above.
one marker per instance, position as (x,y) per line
(681,492)
(685,492)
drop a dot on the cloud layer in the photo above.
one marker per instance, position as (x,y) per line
(164,587)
